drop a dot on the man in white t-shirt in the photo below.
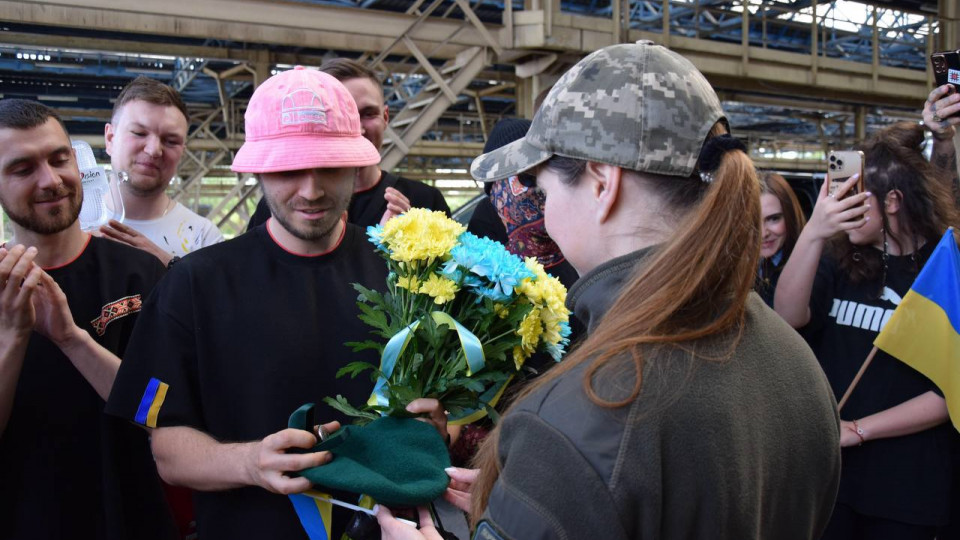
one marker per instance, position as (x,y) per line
(145,139)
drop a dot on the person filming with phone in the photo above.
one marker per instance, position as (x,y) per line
(941,118)
(854,261)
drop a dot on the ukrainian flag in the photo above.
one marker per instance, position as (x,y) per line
(924,331)
(315,513)
(150,403)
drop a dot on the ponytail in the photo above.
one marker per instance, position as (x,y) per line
(696,285)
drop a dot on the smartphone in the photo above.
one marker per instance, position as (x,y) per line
(946,68)
(842,165)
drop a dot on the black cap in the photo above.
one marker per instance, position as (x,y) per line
(505,132)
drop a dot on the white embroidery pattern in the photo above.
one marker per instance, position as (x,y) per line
(302,106)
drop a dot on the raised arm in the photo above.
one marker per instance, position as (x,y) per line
(831,214)
(940,116)
(125,234)
(53,320)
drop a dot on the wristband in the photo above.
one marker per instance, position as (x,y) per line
(859,431)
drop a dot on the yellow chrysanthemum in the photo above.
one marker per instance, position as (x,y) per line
(420,235)
(441,289)
(519,356)
(530,330)
(544,288)
(546,292)
(551,325)
(501,310)
(410,283)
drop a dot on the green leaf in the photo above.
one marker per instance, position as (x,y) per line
(355,368)
(357,346)
(402,394)
(374,317)
(492,413)
(460,398)
(492,376)
(368,295)
(341,404)
(468,383)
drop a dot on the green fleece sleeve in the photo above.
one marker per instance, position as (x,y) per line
(546,489)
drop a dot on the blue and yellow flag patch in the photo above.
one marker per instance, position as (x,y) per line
(151,402)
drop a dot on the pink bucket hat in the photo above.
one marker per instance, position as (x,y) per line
(302,119)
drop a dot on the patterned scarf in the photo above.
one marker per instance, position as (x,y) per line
(521,210)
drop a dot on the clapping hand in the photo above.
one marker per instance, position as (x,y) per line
(19,278)
(397,203)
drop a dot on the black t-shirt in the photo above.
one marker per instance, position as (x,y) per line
(243,333)
(768,274)
(900,478)
(66,469)
(367,207)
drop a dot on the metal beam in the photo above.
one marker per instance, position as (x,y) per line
(251,21)
(784,102)
(124,46)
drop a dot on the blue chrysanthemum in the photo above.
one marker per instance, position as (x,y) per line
(501,270)
(556,350)
(375,234)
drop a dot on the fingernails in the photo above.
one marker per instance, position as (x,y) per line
(375,509)
(866,218)
(869,194)
(451,470)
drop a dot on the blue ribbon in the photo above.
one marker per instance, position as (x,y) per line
(311,513)
(491,397)
(472,349)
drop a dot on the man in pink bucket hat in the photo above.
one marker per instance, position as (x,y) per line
(242,333)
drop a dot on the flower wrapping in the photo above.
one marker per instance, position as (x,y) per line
(460,317)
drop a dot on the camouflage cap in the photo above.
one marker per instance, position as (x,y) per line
(638,105)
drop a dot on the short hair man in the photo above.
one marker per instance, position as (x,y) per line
(254,327)
(66,469)
(378,195)
(145,139)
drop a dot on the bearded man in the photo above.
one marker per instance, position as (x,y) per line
(67,470)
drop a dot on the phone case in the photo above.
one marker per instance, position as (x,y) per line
(843,164)
(946,68)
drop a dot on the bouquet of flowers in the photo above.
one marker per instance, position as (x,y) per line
(459,318)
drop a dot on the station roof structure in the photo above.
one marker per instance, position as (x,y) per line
(796,76)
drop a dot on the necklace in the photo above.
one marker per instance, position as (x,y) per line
(168,207)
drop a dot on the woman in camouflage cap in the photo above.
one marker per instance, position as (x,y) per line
(691,410)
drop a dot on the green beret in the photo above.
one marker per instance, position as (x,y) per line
(396,461)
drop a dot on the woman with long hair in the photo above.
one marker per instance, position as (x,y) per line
(857,257)
(690,410)
(781,222)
